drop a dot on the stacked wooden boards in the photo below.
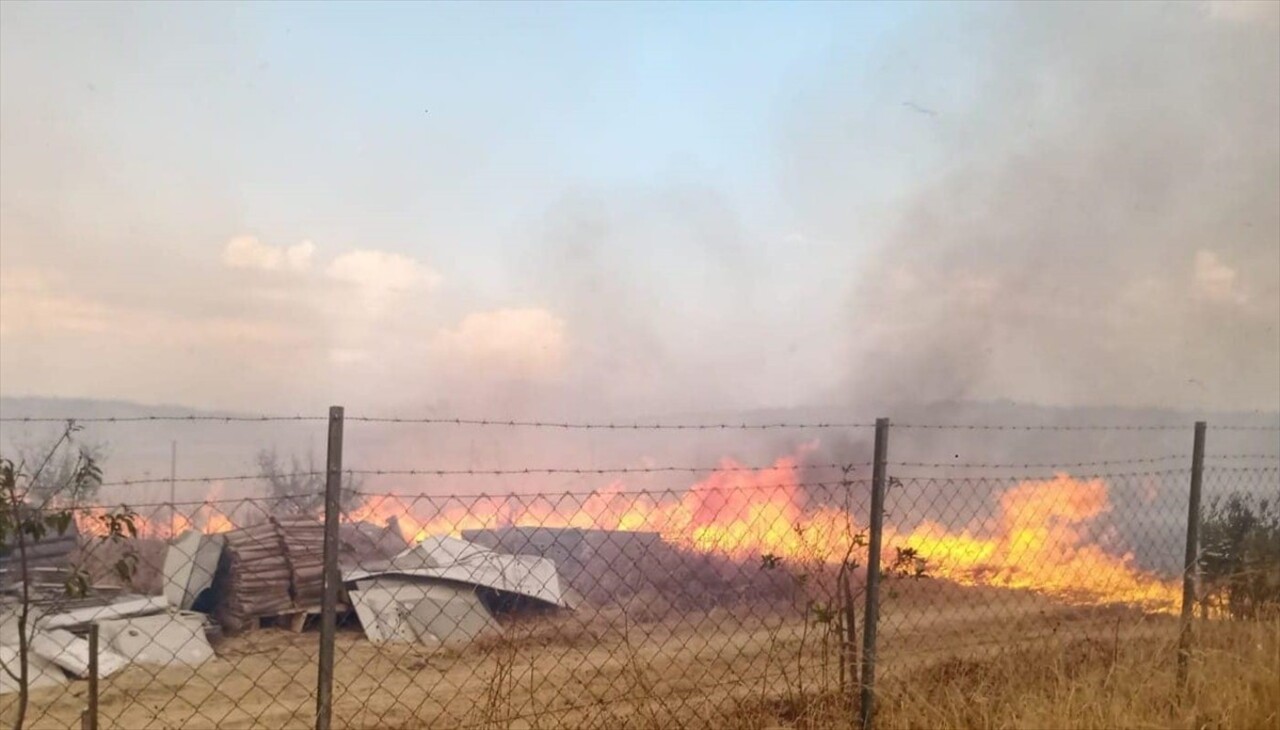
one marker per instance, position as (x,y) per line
(304,550)
(269,569)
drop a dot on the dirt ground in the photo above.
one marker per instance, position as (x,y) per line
(590,669)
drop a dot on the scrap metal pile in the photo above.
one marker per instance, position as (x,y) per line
(442,591)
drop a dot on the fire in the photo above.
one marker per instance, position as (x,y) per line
(164,522)
(207,519)
(1038,541)
(1041,543)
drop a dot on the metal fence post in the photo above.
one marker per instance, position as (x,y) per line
(1191,564)
(329,602)
(871,613)
(90,720)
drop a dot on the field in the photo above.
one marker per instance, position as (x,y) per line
(949,658)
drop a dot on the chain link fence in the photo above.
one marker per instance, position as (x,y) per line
(736,600)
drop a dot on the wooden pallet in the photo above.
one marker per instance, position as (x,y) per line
(295,620)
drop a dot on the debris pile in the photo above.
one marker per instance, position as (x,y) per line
(253,576)
(47,559)
(442,591)
(270,569)
(617,566)
(366,543)
(446,591)
(131,630)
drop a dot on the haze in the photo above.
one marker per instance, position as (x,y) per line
(640,209)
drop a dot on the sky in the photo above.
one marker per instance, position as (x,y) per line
(640,208)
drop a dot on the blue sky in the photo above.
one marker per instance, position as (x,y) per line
(530,198)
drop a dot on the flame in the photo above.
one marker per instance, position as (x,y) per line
(1038,541)
(164,522)
(1041,543)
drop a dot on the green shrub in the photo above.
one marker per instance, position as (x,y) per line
(1240,556)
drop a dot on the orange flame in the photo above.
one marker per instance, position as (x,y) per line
(1039,542)
(165,522)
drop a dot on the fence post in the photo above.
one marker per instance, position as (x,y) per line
(329,601)
(90,718)
(871,613)
(173,489)
(1191,564)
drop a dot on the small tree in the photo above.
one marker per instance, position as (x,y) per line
(824,585)
(57,482)
(28,514)
(299,489)
(1240,556)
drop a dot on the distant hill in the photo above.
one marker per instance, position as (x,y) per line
(141,450)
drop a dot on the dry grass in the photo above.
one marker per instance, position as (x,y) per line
(1120,682)
(1034,664)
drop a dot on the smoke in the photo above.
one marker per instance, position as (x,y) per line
(1101,221)
(1055,204)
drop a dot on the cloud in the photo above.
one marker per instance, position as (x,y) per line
(382,271)
(29,302)
(1215,281)
(35,302)
(247,252)
(509,342)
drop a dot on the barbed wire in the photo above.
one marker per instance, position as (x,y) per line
(1243,457)
(158,418)
(205,502)
(570,425)
(1014,478)
(637,426)
(211,479)
(605,492)
(732,468)
(1036,427)
(475,472)
(545,495)
(600,471)
(862,482)
(1212,427)
(765,468)
(1077,464)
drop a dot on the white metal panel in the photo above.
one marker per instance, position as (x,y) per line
(452,559)
(72,653)
(179,561)
(168,638)
(189,565)
(451,614)
(40,672)
(406,610)
(140,606)
(383,616)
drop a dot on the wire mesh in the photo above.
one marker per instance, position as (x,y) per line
(602,606)
(1029,562)
(593,610)
(178,594)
